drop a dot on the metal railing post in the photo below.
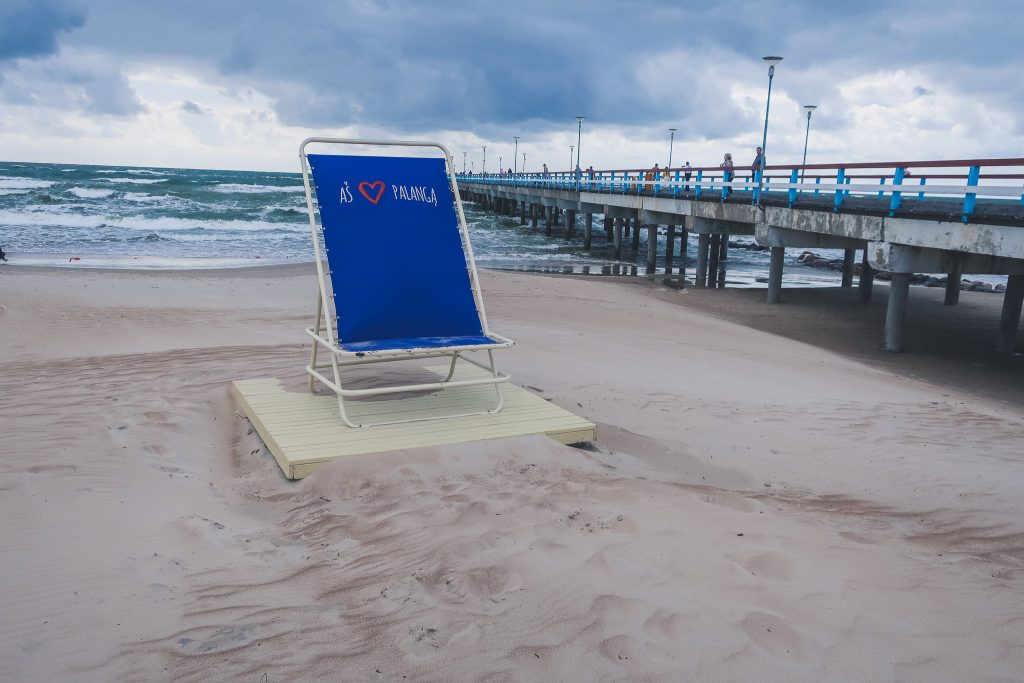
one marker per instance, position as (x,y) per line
(794,177)
(757,189)
(840,180)
(920,195)
(696,187)
(897,179)
(970,198)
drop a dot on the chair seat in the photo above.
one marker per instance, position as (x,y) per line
(409,343)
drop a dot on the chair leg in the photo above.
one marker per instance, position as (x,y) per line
(316,328)
(451,368)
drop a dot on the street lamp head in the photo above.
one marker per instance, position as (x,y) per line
(810,107)
(772,60)
(580,118)
(672,130)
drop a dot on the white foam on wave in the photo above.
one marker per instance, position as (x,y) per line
(241,188)
(90,193)
(4,191)
(137,181)
(18,183)
(68,220)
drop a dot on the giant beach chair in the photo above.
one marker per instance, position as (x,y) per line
(399,281)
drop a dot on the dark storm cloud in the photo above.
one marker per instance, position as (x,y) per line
(29,28)
(484,65)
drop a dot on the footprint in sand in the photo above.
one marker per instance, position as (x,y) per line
(773,635)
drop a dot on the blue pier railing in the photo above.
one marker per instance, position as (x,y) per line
(967,183)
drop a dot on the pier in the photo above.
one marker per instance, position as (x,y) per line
(952,216)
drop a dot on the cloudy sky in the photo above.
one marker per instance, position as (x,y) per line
(231,84)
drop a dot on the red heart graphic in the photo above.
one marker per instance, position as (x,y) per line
(376,186)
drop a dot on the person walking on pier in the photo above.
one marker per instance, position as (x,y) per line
(687,174)
(755,166)
(727,172)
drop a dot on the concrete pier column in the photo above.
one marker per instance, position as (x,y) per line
(775,274)
(714,253)
(652,249)
(867,279)
(609,226)
(953,278)
(723,258)
(588,232)
(522,213)
(896,312)
(625,229)
(618,236)
(1009,321)
(533,215)
(684,243)
(849,258)
(636,236)
(701,278)
(548,220)
(570,223)
(670,248)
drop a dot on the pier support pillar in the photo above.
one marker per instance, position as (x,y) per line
(670,248)
(1009,321)
(570,223)
(652,249)
(617,243)
(684,243)
(636,236)
(849,257)
(714,254)
(953,283)
(896,312)
(522,214)
(588,232)
(701,278)
(723,257)
(778,254)
(867,280)
(548,220)
(609,226)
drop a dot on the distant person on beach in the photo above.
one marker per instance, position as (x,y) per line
(687,173)
(755,166)
(3,254)
(727,172)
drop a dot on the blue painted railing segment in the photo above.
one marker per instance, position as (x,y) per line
(697,187)
(897,179)
(840,177)
(817,182)
(757,190)
(970,198)
(920,195)
(794,177)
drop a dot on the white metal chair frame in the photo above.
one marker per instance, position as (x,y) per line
(326,336)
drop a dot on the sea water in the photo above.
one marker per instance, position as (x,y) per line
(165,218)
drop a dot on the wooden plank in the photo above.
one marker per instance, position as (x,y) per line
(305,430)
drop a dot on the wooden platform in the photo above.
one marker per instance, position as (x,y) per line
(304,430)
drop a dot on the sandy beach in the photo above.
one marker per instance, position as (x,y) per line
(771,496)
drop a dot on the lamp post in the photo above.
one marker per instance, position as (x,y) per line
(524,162)
(671,140)
(808,108)
(571,148)
(515,153)
(483,167)
(772,62)
(579,146)
(464,163)
(500,167)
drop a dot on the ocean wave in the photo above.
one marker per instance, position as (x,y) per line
(18,183)
(241,188)
(5,191)
(90,193)
(137,181)
(169,223)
